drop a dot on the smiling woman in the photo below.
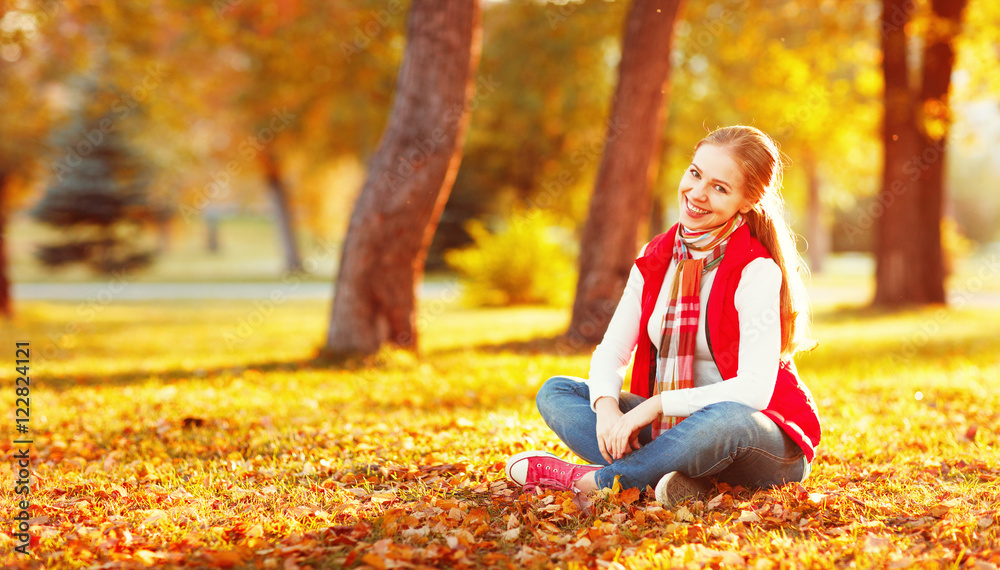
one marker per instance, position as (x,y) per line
(712,190)
(714,310)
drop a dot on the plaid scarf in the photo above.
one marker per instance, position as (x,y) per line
(679,330)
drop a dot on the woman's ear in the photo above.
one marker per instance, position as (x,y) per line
(747,206)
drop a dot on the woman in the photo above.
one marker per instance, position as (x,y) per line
(715,309)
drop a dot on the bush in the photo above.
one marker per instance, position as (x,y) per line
(523,264)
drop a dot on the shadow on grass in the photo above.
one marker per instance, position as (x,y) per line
(167,375)
(978,341)
(558,345)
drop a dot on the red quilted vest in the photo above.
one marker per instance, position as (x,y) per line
(791,405)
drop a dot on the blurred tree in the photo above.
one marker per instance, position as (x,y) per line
(98,198)
(310,79)
(408,182)
(820,104)
(536,130)
(909,264)
(23,124)
(620,205)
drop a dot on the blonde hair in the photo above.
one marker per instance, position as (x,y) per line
(760,161)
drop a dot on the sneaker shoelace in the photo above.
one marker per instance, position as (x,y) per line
(560,479)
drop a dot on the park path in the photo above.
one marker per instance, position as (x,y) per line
(119,291)
(437,289)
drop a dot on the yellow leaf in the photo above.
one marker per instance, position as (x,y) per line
(616,487)
(256,531)
(146,557)
(875,543)
(154,516)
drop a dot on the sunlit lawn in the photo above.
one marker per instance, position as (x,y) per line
(157,442)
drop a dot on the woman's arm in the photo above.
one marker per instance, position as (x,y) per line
(610,359)
(757,301)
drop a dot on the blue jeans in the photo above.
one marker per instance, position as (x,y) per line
(730,441)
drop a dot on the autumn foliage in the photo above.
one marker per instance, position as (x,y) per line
(156,446)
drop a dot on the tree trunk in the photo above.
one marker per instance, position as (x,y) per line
(656,225)
(6,307)
(408,183)
(909,268)
(619,208)
(282,210)
(933,120)
(817,234)
(897,210)
(212,230)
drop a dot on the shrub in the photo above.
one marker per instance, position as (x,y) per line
(525,263)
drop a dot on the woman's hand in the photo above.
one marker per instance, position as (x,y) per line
(624,435)
(608,415)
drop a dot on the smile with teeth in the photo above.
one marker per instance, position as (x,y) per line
(695,209)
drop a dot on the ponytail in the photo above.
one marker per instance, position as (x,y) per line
(761,163)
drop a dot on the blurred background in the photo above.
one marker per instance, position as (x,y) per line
(186,142)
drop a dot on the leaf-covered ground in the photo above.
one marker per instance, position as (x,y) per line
(160,441)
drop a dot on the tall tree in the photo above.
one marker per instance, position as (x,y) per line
(620,205)
(408,182)
(910,264)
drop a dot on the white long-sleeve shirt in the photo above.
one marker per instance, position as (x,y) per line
(757,302)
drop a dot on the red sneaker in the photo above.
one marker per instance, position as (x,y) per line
(542,470)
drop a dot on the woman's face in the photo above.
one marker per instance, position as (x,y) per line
(712,190)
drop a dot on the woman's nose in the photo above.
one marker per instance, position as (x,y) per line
(697,192)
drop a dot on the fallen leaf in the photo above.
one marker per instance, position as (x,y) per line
(154,516)
(874,543)
(902,562)
(147,557)
(749,517)
(939,510)
(629,496)
(511,534)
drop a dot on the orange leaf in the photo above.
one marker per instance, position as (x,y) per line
(223,559)
(373,559)
(629,496)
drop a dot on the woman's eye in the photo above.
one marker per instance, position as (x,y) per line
(694,173)
(722,189)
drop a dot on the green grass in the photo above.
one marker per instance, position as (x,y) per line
(156,442)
